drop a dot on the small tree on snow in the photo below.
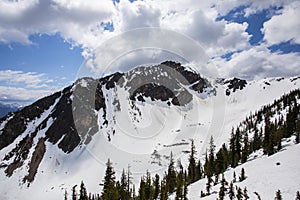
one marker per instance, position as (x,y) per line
(278,195)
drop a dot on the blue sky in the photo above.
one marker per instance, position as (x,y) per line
(44,43)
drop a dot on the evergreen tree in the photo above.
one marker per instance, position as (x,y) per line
(163,190)
(256,142)
(83,193)
(180,184)
(66,195)
(199,171)
(156,186)
(245,150)
(142,189)
(239,193)
(109,191)
(216,179)
(232,148)
(297,195)
(124,186)
(171,175)
(211,157)
(238,146)
(185,191)
(192,164)
(223,188)
(246,196)
(148,186)
(208,185)
(231,191)
(74,193)
(278,195)
(234,177)
(243,176)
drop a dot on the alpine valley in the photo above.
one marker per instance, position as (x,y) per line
(143,120)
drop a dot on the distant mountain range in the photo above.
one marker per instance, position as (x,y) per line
(6,108)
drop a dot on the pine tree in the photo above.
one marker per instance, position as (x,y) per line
(245,150)
(83,193)
(199,171)
(185,191)
(234,177)
(156,186)
(208,185)
(243,176)
(163,190)
(192,164)
(297,195)
(231,191)
(239,193)
(142,189)
(232,148)
(148,186)
(124,189)
(109,191)
(180,184)
(246,196)
(171,175)
(223,188)
(66,195)
(238,146)
(211,157)
(278,195)
(74,193)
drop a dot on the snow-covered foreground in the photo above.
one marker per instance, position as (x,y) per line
(144,142)
(265,175)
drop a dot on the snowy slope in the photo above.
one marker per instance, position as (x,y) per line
(142,135)
(264,175)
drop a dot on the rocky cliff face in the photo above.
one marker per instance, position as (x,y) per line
(70,118)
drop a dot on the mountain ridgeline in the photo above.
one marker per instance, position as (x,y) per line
(67,118)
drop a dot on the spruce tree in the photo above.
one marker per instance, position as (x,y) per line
(163,190)
(297,195)
(245,150)
(208,185)
(74,193)
(185,191)
(238,146)
(66,195)
(109,191)
(239,193)
(243,176)
(234,177)
(232,148)
(171,175)
(246,196)
(142,189)
(231,191)
(83,193)
(211,157)
(156,186)
(180,184)
(148,186)
(278,195)
(223,188)
(199,171)
(192,164)
(123,189)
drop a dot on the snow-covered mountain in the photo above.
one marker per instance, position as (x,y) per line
(6,108)
(134,119)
